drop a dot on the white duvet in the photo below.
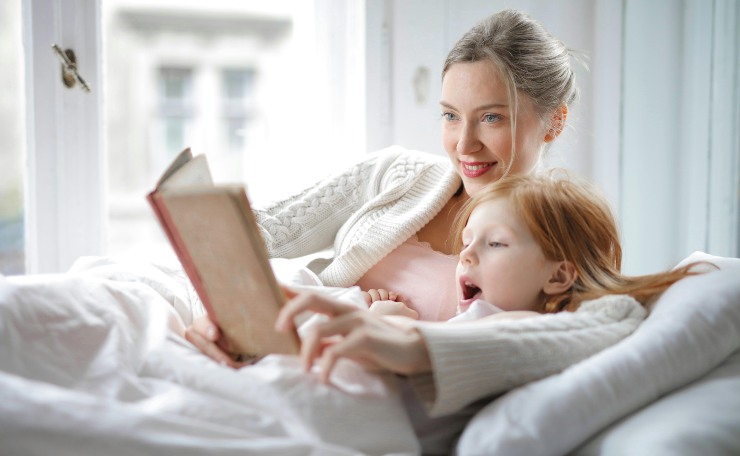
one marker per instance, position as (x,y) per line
(93,362)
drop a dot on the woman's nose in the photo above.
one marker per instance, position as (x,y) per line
(468,141)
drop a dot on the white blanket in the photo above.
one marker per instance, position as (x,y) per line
(94,363)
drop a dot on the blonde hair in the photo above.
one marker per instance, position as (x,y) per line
(571,222)
(529,61)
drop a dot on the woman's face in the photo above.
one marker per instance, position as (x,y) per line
(476,125)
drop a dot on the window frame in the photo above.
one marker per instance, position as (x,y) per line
(65,180)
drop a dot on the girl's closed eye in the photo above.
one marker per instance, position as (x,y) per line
(496,244)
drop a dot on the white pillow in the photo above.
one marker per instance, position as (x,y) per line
(700,418)
(693,328)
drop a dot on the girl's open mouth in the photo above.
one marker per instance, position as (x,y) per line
(470,293)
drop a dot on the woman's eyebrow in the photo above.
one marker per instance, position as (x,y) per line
(479,108)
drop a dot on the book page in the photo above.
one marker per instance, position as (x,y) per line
(193,172)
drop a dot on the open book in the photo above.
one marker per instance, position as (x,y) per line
(214,234)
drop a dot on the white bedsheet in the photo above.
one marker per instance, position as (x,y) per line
(93,363)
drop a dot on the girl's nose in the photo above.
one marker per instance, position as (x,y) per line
(467,256)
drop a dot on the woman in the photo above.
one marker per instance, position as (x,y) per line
(506,88)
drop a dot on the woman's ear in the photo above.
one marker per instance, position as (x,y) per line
(557,123)
(562,279)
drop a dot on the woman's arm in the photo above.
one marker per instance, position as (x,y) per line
(309,221)
(473,360)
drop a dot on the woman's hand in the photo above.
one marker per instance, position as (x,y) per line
(373,341)
(384,302)
(206,336)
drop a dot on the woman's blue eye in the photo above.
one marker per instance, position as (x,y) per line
(449,116)
(490,118)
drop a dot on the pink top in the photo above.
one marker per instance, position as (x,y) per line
(425,279)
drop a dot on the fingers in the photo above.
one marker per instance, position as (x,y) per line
(310,302)
(380,294)
(393,308)
(355,347)
(208,347)
(321,337)
(205,328)
(289,294)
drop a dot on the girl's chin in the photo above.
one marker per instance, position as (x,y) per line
(464,305)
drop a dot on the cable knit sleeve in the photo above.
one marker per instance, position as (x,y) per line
(309,221)
(372,207)
(473,360)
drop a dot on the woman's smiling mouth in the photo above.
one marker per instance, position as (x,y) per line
(476,169)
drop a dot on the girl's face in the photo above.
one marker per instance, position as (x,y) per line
(501,263)
(476,125)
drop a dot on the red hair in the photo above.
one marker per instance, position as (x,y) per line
(572,222)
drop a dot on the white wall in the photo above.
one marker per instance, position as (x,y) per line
(680,118)
(656,125)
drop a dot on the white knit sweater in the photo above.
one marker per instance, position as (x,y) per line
(477,359)
(364,212)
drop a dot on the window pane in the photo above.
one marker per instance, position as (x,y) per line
(237,91)
(238,81)
(175,111)
(183,74)
(12,251)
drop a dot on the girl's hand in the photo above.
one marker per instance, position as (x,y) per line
(369,339)
(384,302)
(206,336)
(373,295)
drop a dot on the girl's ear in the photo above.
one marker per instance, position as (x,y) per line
(562,279)
(557,123)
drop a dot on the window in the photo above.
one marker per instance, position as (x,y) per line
(237,92)
(240,82)
(303,112)
(12,251)
(175,110)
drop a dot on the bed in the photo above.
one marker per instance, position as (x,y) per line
(93,361)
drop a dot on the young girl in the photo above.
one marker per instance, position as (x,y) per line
(538,244)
